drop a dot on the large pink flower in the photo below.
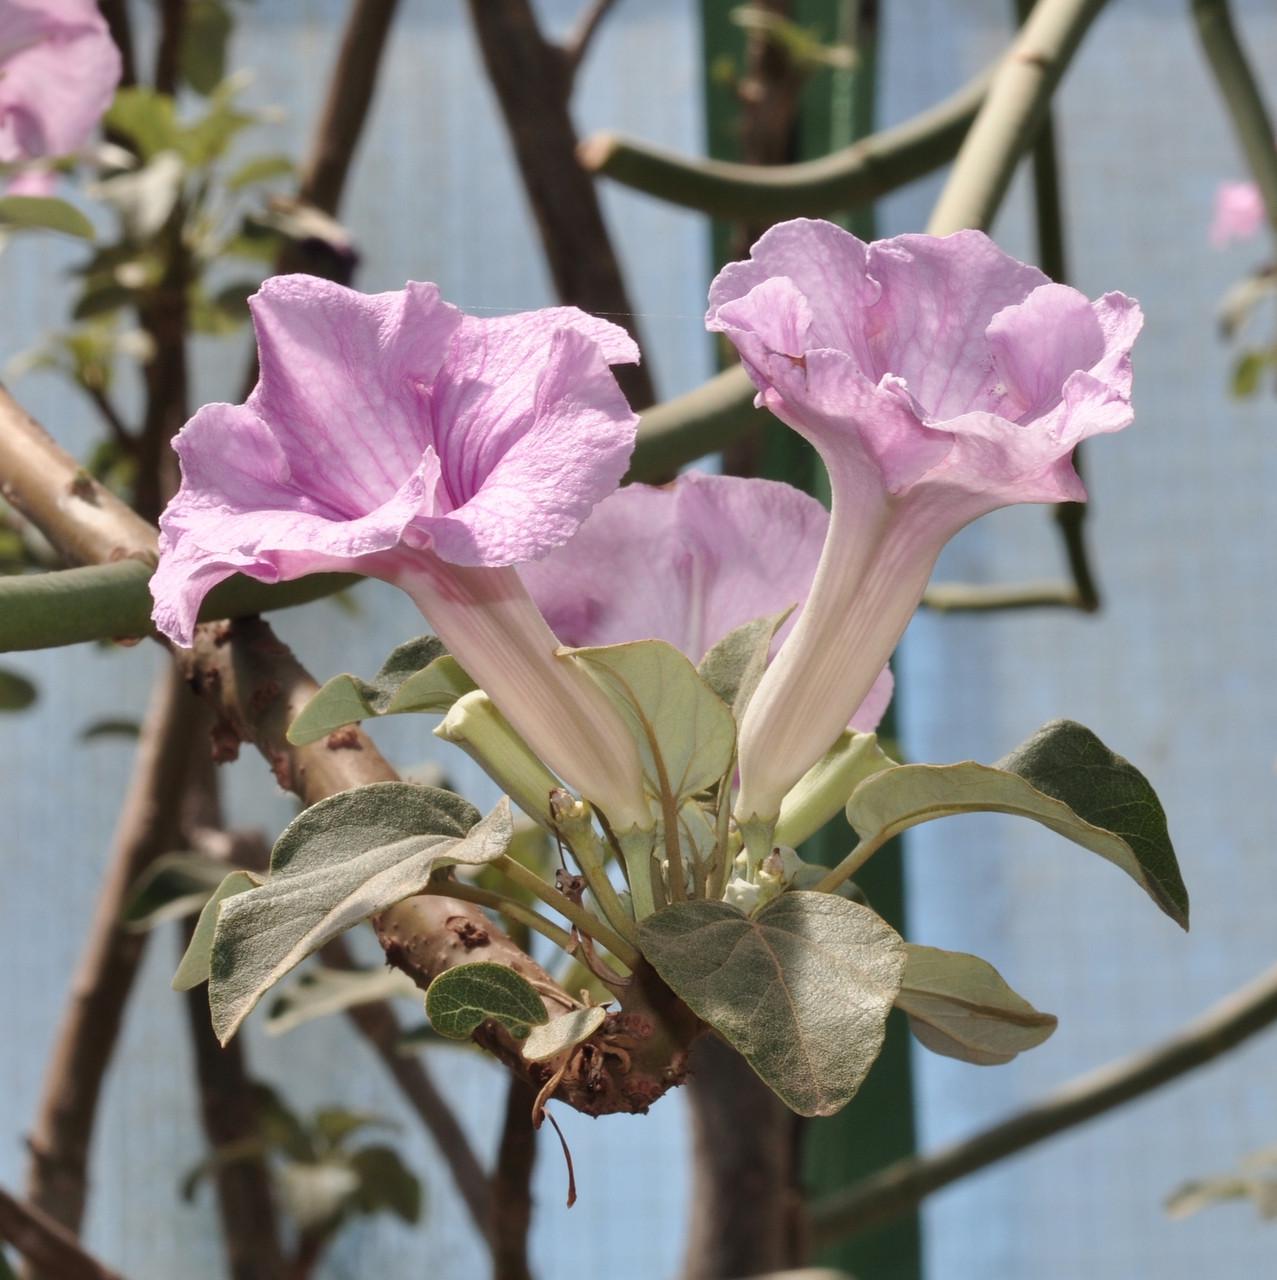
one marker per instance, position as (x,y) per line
(58,72)
(1239,213)
(687,563)
(939,379)
(391,435)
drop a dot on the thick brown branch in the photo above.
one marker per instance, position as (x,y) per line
(86,1038)
(532,83)
(47,1245)
(901,1187)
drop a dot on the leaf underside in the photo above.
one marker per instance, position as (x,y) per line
(802,990)
(463,998)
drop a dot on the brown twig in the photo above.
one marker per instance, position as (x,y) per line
(229,1109)
(168,49)
(120,25)
(48,1246)
(90,1027)
(512,1185)
(578,41)
(532,82)
(901,1187)
(351,87)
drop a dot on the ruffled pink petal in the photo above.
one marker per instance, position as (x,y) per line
(344,383)
(531,430)
(238,511)
(939,294)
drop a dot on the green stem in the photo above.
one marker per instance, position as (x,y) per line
(1240,91)
(573,825)
(1013,110)
(852,176)
(857,859)
(113,601)
(586,921)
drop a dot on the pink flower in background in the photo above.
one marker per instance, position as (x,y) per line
(58,72)
(687,563)
(939,379)
(1239,213)
(393,436)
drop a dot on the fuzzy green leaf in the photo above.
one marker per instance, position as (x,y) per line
(418,676)
(560,1034)
(341,861)
(735,665)
(194,965)
(463,998)
(959,1006)
(173,886)
(686,734)
(1063,777)
(16,692)
(43,213)
(802,990)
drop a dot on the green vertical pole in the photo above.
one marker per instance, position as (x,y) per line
(878,1126)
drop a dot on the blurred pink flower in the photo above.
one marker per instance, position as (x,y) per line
(687,563)
(1239,213)
(939,379)
(58,72)
(393,436)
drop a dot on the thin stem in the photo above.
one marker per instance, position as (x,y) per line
(970,597)
(1240,90)
(47,1245)
(1007,123)
(111,416)
(902,1186)
(857,859)
(507,906)
(585,920)
(575,827)
(579,39)
(841,181)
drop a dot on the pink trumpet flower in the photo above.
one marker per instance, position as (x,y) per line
(688,563)
(391,435)
(58,72)
(939,379)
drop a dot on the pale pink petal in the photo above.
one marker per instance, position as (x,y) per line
(58,72)
(687,563)
(1239,213)
(345,380)
(32,181)
(531,430)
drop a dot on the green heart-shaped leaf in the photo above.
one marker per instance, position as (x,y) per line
(462,999)
(802,990)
